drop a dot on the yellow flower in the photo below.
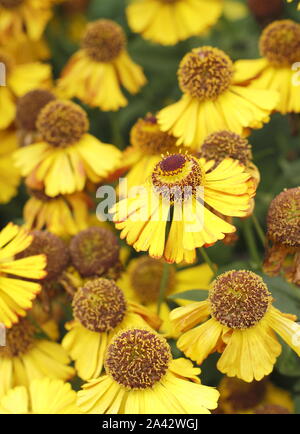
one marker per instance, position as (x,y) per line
(19,17)
(183,184)
(26,358)
(239,397)
(68,156)
(62,215)
(142,279)
(100,311)
(9,174)
(16,293)
(148,143)
(242,327)
(283,248)
(96,72)
(142,378)
(19,78)
(278,68)
(179,19)
(212,100)
(44,396)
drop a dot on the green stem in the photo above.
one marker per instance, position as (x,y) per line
(250,241)
(207,260)
(259,230)
(163,286)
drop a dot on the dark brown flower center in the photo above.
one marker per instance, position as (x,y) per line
(9,4)
(100,305)
(104,40)
(146,276)
(283,221)
(239,299)
(138,359)
(272,409)
(280,42)
(29,107)
(237,395)
(95,251)
(62,123)
(19,339)
(205,73)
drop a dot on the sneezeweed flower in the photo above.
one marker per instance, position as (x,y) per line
(26,358)
(277,68)
(95,252)
(16,293)
(148,143)
(283,223)
(239,397)
(142,378)
(97,71)
(68,156)
(64,215)
(212,100)
(180,19)
(9,174)
(141,282)
(183,185)
(27,111)
(20,78)
(43,396)
(24,17)
(100,310)
(242,325)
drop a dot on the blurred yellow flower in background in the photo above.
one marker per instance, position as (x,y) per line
(97,71)
(44,396)
(179,19)
(9,174)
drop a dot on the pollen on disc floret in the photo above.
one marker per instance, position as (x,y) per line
(62,123)
(205,73)
(99,305)
(283,220)
(138,359)
(280,42)
(104,40)
(239,299)
(19,339)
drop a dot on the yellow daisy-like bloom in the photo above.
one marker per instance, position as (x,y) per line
(278,67)
(187,187)
(212,99)
(9,174)
(68,156)
(180,19)
(142,378)
(100,311)
(148,143)
(19,17)
(16,293)
(239,397)
(19,78)
(242,327)
(63,215)
(44,396)
(142,280)
(283,222)
(96,72)
(25,358)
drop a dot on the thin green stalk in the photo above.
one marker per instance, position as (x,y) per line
(163,286)
(259,230)
(207,260)
(250,241)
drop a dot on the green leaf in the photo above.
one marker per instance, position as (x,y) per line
(192,295)
(288,362)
